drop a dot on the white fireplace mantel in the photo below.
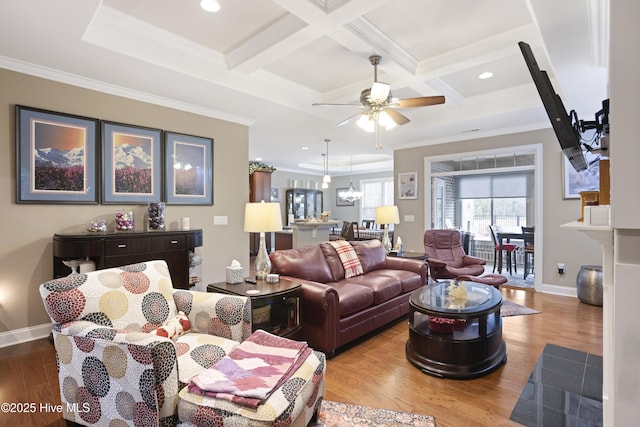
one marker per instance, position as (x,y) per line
(604,235)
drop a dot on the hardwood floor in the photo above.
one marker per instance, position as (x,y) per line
(373,372)
(376,373)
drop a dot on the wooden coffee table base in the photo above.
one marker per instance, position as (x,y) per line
(427,355)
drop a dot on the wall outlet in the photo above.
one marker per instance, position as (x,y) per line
(560,268)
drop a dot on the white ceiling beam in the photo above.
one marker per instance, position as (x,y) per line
(304,23)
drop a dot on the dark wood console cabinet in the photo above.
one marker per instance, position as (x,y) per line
(116,249)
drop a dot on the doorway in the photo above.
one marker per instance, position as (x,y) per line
(471,191)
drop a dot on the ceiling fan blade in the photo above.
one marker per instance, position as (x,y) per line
(379,92)
(421,101)
(350,119)
(399,119)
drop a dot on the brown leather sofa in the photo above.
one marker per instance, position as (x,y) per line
(334,310)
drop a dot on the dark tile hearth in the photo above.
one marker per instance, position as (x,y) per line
(564,388)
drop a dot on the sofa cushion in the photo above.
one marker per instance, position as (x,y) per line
(352,297)
(371,253)
(333,261)
(384,286)
(409,280)
(306,263)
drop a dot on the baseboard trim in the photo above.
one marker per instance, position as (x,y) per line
(560,290)
(18,336)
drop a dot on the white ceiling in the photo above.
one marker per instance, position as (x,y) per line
(264,62)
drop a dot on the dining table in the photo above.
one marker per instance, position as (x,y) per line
(505,237)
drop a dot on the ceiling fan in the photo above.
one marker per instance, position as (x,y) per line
(379,105)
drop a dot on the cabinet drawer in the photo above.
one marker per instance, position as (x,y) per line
(167,243)
(126,245)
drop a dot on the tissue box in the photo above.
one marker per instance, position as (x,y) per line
(235,275)
(597,215)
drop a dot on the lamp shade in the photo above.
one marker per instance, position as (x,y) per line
(387,215)
(262,217)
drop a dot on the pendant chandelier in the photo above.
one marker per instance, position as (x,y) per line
(326,179)
(325,184)
(351,195)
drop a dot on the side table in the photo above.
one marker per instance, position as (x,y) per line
(275,306)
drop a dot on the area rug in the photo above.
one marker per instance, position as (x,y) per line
(335,414)
(512,309)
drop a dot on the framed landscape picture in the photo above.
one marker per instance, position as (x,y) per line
(587,180)
(188,169)
(275,193)
(408,185)
(56,157)
(131,164)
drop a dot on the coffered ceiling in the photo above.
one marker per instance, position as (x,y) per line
(264,62)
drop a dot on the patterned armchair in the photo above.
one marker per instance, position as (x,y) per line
(116,362)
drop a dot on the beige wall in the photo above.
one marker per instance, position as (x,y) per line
(559,244)
(27,229)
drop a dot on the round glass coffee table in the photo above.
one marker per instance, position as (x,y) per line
(455,330)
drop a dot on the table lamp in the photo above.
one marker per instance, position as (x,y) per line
(386,215)
(261,218)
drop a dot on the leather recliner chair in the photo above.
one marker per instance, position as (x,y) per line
(447,259)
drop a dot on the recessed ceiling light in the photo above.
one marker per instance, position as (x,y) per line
(304,148)
(258,159)
(485,75)
(210,5)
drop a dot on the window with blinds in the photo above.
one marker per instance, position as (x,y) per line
(375,192)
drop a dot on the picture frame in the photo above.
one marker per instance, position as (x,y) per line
(408,185)
(340,201)
(275,193)
(131,164)
(574,182)
(188,169)
(56,157)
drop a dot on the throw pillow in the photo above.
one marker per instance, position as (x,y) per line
(348,257)
(175,327)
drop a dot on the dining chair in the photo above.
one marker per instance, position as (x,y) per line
(509,249)
(347,231)
(529,249)
(369,224)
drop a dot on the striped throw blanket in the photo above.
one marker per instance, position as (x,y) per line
(253,370)
(348,257)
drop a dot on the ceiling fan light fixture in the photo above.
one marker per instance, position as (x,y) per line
(210,5)
(366,123)
(386,121)
(379,92)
